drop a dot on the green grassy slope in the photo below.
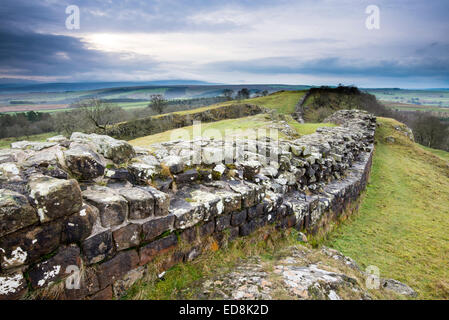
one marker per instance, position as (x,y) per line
(403,222)
(6,142)
(284,102)
(247,127)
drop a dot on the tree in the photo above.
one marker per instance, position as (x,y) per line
(243,94)
(228,93)
(158,103)
(91,115)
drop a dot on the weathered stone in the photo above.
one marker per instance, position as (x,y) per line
(186,213)
(105,294)
(207,229)
(161,201)
(187,177)
(127,236)
(223,222)
(157,247)
(121,286)
(45,158)
(55,268)
(12,155)
(87,285)
(117,267)
(15,212)
(55,198)
(211,155)
(78,226)
(113,208)
(248,228)
(83,162)
(157,226)
(28,245)
(231,201)
(189,235)
(13,286)
(117,150)
(250,169)
(142,172)
(141,202)
(31,145)
(238,218)
(174,163)
(98,247)
(398,287)
(121,174)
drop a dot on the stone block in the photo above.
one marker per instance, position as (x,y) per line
(117,267)
(78,226)
(13,286)
(141,202)
(113,208)
(238,218)
(55,268)
(161,201)
(223,222)
(157,247)
(84,162)
(29,245)
(207,229)
(127,236)
(157,226)
(15,212)
(98,247)
(55,198)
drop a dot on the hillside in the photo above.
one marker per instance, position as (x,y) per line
(402,223)
(401,228)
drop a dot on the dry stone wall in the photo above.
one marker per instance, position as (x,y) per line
(86,217)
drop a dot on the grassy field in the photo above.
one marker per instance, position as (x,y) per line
(435,98)
(6,142)
(247,127)
(403,222)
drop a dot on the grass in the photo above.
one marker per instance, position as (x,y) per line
(6,142)
(444,155)
(283,102)
(247,127)
(403,222)
(308,128)
(179,281)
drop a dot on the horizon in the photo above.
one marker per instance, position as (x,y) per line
(238,43)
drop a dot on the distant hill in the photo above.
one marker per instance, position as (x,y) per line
(8,85)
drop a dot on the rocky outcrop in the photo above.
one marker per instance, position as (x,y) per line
(298,273)
(109,209)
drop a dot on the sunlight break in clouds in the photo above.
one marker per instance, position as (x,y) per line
(306,42)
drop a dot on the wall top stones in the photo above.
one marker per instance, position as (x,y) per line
(92,199)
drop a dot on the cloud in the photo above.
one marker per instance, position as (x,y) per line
(234,41)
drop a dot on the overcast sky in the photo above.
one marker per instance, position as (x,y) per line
(293,42)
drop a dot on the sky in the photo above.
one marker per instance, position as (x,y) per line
(312,42)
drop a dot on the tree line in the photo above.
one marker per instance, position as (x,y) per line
(428,129)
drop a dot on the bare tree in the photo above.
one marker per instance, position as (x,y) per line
(158,103)
(243,94)
(228,93)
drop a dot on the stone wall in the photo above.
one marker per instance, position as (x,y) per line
(152,125)
(98,207)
